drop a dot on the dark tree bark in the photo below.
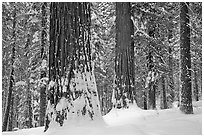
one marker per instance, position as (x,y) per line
(29,96)
(124,56)
(16,111)
(185,58)
(151,85)
(145,100)
(29,104)
(196,91)
(151,69)
(11,82)
(43,68)
(164,99)
(71,77)
(11,116)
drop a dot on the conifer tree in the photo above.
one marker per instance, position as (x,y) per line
(185,58)
(43,65)
(72,89)
(124,56)
(11,81)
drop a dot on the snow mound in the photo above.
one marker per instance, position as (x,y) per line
(127,116)
(78,127)
(197,103)
(31,131)
(131,121)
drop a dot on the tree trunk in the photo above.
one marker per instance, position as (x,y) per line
(11,116)
(29,94)
(124,57)
(185,56)
(43,68)
(71,77)
(151,96)
(145,100)
(11,82)
(164,93)
(171,77)
(151,71)
(196,92)
(29,103)
(16,99)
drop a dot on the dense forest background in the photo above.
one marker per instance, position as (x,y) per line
(154,56)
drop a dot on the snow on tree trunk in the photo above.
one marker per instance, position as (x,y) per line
(72,92)
(185,58)
(43,66)
(124,57)
(28,82)
(152,74)
(11,82)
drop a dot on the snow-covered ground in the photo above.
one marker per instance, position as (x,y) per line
(132,121)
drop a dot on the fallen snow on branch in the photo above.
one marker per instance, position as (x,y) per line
(20,83)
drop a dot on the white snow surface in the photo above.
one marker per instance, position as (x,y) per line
(131,121)
(62,104)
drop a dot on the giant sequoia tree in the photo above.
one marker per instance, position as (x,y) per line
(124,56)
(72,89)
(185,57)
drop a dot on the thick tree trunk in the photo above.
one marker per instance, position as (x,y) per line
(71,77)
(11,82)
(43,68)
(124,58)
(185,56)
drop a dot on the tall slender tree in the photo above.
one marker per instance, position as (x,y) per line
(171,72)
(185,58)
(196,91)
(164,99)
(151,68)
(11,81)
(43,65)
(11,116)
(124,56)
(29,94)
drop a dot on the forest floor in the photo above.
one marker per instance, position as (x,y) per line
(132,121)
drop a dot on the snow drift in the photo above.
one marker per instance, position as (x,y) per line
(132,121)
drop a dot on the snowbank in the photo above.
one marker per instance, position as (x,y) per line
(132,121)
